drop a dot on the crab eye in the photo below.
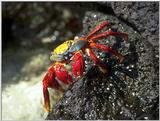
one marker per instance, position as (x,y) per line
(76,38)
(52,53)
(56,58)
(52,57)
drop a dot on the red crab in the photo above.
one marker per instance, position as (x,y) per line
(69,61)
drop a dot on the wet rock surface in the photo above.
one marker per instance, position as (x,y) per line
(128,91)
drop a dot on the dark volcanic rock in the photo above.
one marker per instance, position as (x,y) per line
(128,91)
(142,16)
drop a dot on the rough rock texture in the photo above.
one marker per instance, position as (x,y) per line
(142,16)
(129,91)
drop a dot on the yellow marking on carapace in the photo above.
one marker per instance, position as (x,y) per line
(63,47)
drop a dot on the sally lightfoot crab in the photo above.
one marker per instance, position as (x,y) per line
(68,59)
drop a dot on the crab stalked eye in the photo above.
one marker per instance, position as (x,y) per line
(52,53)
(76,38)
(57,57)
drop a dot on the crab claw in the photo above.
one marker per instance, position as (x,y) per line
(49,81)
(62,74)
(77,64)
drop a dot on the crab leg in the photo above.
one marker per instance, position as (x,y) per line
(96,60)
(77,64)
(109,33)
(98,28)
(108,49)
(49,82)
